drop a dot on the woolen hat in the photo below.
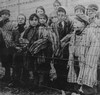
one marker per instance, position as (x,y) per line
(79,7)
(4,11)
(93,7)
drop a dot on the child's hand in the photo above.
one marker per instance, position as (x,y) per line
(53,74)
(2,72)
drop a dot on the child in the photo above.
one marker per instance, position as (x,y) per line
(43,18)
(31,35)
(56,5)
(40,10)
(44,63)
(74,50)
(64,27)
(79,10)
(88,64)
(33,26)
(18,56)
(53,14)
(53,19)
(64,24)
(91,12)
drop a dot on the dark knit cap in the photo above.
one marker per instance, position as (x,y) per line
(4,11)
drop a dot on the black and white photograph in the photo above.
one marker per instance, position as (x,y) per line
(49,47)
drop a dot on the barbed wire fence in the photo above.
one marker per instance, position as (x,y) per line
(26,7)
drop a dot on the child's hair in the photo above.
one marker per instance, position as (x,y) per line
(45,16)
(32,16)
(61,9)
(40,7)
(56,1)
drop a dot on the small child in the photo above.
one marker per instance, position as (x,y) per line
(53,19)
(43,67)
(43,18)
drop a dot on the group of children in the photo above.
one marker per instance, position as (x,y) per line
(58,51)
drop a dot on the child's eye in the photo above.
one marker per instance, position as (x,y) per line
(35,19)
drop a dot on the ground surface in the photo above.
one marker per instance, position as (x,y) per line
(19,91)
(4,90)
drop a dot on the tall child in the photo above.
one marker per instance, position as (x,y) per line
(64,27)
(31,35)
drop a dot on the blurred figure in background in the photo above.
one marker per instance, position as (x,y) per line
(40,10)
(56,5)
(53,15)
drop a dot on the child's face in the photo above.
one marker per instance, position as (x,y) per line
(77,24)
(34,21)
(56,6)
(61,16)
(54,19)
(21,19)
(42,20)
(91,13)
(5,16)
(79,12)
(39,11)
